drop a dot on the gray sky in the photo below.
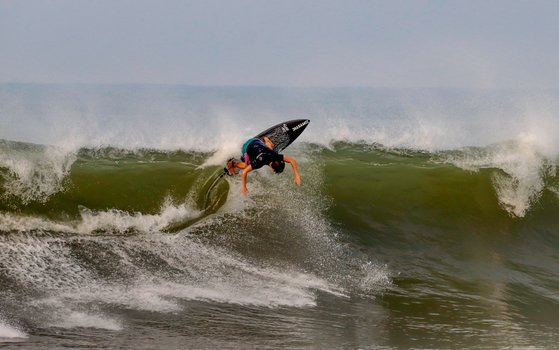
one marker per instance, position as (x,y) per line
(414,43)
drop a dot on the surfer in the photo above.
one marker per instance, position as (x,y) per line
(259,152)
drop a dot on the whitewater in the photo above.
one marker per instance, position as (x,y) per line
(426,219)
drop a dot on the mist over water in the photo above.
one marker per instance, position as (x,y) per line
(426,218)
(207,118)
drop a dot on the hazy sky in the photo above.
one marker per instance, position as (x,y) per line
(414,43)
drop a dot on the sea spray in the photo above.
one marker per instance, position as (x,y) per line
(34,172)
(8,332)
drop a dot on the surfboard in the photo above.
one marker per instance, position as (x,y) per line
(281,135)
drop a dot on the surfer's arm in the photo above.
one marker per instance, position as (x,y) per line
(268,143)
(246,170)
(293,163)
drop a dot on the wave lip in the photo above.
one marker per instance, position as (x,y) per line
(521,176)
(35,172)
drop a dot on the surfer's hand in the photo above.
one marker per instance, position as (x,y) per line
(244,191)
(298,180)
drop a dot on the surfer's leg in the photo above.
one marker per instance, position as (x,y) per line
(240,165)
(233,164)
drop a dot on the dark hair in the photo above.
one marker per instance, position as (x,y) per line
(278,166)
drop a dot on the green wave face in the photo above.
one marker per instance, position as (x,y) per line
(391,197)
(133,182)
(370,186)
(385,189)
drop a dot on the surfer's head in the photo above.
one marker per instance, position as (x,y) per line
(277,165)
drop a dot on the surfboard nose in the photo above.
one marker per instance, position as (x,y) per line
(302,124)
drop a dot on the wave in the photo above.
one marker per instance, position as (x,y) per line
(119,191)
(511,134)
(154,227)
(103,189)
(415,206)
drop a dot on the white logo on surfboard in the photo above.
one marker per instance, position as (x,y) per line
(300,125)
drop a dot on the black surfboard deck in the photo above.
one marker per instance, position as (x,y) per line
(283,134)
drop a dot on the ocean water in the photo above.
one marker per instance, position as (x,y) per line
(427,219)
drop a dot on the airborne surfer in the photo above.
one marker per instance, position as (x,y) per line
(256,153)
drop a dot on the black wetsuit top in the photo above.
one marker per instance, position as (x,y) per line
(259,154)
